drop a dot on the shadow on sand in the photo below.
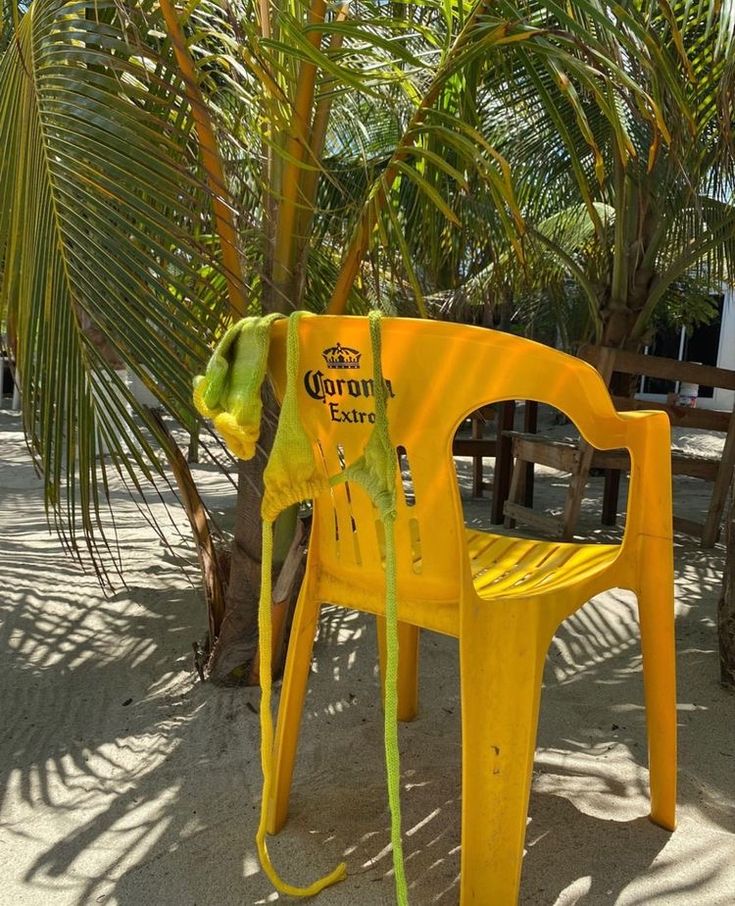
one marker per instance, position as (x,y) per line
(123,780)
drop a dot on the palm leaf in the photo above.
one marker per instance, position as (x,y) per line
(103,248)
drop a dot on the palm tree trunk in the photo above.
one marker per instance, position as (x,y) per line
(237,642)
(634,256)
(234,652)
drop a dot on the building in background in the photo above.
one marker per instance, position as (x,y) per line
(710,344)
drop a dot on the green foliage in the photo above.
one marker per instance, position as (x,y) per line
(666,184)
(564,164)
(101,235)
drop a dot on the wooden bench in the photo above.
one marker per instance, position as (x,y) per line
(577,459)
(479,447)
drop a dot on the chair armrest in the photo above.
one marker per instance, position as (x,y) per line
(648,439)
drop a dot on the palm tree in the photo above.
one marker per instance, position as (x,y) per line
(164,173)
(637,217)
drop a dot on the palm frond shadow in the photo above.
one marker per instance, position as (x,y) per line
(96,736)
(133,783)
(588,829)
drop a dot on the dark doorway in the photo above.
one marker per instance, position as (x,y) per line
(700,345)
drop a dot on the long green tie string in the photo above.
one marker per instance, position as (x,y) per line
(266,732)
(388,518)
(376,472)
(290,476)
(392,756)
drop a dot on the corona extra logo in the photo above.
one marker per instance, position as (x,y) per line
(342,357)
(333,391)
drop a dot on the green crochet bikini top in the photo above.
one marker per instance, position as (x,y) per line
(229,394)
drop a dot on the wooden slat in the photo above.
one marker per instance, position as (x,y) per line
(720,491)
(554,454)
(533,448)
(467,446)
(558,454)
(688,526)
(551,524)
(680,416)
(681,464)
(611,459)
(503,461)
(706,469)
(515,492)
(660,367)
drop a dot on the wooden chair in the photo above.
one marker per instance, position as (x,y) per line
(480,447)
(477,446)
(578,459)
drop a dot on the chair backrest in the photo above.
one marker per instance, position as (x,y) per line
(437,373)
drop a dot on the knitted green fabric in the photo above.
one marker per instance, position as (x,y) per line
(265,628)
(291,474)
(229,392)
(211,386)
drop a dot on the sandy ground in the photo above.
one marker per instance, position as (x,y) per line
(123,780)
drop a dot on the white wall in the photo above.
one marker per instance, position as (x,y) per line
(725,399)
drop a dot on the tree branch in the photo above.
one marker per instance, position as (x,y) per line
(211,161)
(378,195)
(293,169)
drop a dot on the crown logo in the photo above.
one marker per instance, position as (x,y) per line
(342,357)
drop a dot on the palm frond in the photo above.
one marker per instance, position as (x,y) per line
(103,239)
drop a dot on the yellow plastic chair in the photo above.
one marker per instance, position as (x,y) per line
(502,597)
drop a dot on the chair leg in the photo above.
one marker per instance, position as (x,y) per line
(408,667)
(656,615)
(477,433)
(293,693)
(502,653)
(503,461)
(516,492)
(611,496)
(575,494)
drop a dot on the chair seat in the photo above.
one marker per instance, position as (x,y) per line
(502,567)
(505,567)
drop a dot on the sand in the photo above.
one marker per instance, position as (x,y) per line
(124,780)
